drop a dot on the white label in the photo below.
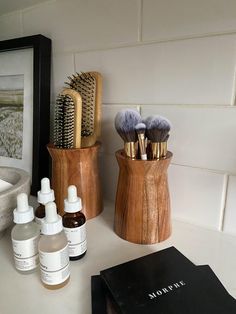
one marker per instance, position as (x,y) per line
(26,253)
(77,240)
(54,266)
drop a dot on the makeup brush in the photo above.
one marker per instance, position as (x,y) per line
(140,129)
(125,122)
(157,130)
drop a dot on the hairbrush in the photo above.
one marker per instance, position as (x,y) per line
(140,129)
(157,130)
(125,122)
(89,86)
(67,121)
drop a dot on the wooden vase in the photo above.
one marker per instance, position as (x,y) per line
(142,209)
(77,166)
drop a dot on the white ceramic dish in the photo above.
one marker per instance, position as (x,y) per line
(21,182)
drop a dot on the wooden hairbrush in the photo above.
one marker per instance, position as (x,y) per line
(67,122)
(89,86)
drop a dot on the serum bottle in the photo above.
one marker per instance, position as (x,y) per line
(25,236)
(74,223)
(45,195)
(53,250)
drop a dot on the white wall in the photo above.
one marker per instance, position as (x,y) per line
(174,58)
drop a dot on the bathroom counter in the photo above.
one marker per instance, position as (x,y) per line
(25,293)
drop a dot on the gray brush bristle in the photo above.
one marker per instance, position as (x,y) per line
(157,128)
(140,128)
(125,122)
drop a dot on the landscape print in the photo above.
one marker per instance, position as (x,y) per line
(11,115)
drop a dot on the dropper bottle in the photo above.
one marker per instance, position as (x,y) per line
(53,250)
(74,223)
(45,195)
(25,236)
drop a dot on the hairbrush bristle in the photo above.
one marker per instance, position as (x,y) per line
(64,122)
(157,128)
(125,122)
(85,84)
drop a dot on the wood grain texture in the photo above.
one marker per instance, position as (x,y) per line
(91,140)
(142,209)
(80,168)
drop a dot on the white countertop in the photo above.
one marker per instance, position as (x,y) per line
(25,293)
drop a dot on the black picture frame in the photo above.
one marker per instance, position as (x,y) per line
(41,100)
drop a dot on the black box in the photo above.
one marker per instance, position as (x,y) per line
(164,282)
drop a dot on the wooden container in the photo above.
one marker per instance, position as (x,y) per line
(77,166)
(142,209)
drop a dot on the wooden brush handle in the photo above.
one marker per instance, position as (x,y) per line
(142,209)
(77,100)
(80,168)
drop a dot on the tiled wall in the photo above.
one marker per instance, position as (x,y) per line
(174,58)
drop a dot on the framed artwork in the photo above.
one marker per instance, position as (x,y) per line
(25,67)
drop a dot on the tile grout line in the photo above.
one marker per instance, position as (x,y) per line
(21,23)
(223,202)
(140,24)
(232,103)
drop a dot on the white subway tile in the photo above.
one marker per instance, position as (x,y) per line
(62,67)
(10,26)
(230,209)
(75,25)
(165,19)
(201,136)
(40,19)
(111,141)
(195,71)
(196,195)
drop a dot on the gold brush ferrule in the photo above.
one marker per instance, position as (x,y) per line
(163,149)
(142,146)
(130,150)
(155,150)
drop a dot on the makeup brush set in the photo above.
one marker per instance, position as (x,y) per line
(142,209)
(143,139)
(75,147)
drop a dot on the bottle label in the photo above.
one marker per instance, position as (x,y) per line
(54,266)
(26,253)
(77,240)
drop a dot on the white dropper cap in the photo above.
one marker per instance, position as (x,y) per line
(52,223)
(23,213)
(72,203)
(46,194)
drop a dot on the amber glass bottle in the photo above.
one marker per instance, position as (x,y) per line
(74,223)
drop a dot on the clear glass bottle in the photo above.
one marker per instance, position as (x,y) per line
(25,236)
(74,223)
(53,250)
(45,195)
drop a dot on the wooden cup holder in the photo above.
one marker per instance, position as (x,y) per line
(77,166)
(142,209)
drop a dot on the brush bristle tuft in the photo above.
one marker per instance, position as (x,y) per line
(64,122)
(140,128)
(157,128)
(85,84)
(125,122)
